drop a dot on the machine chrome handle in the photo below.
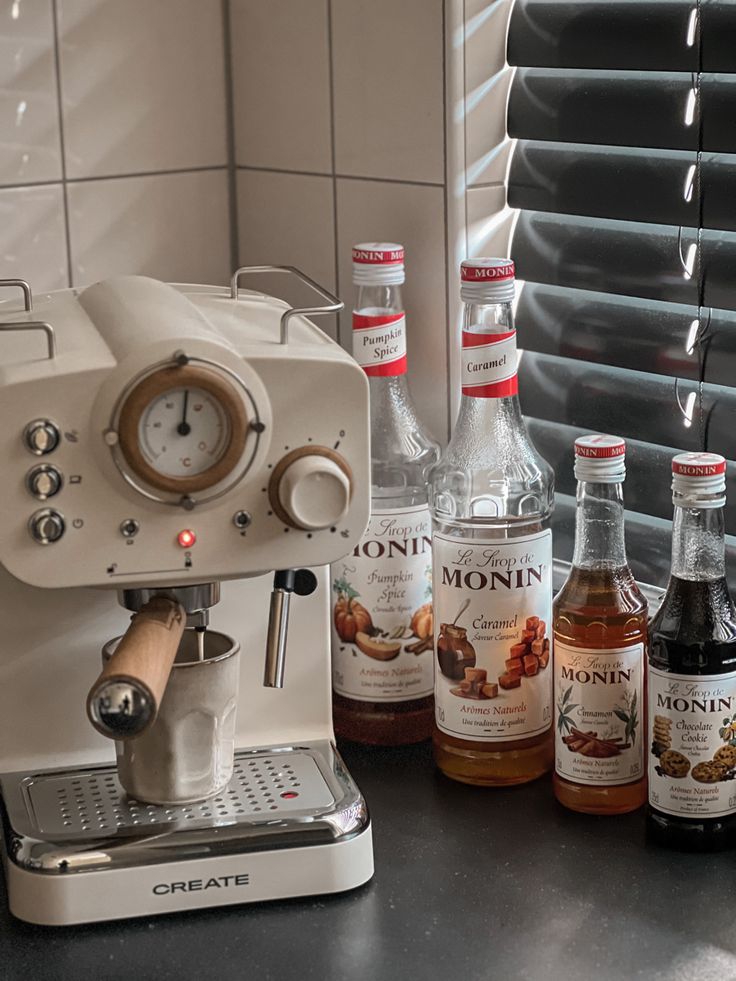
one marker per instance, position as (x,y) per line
(285,582)
(334,305)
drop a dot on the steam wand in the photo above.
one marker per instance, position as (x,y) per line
(285,582)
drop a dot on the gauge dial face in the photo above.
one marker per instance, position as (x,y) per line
(183,428)
(183,432)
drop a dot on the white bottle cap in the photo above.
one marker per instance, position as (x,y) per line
(699,479)
(378,264)
(487,280)
(600,459)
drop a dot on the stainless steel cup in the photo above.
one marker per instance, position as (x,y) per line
(187,754)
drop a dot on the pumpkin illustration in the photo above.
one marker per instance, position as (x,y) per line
(422,623)
(351,617)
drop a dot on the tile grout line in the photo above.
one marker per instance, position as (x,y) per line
(342,177)
(232,183)
(114,177)
(62,143)
(447,190)
(333,154)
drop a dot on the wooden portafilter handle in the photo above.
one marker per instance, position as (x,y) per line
(125,699)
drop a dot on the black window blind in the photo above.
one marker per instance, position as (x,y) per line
(623,172)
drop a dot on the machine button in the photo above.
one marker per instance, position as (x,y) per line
(311,490)
(41,437)
(44,481)
(241,519)
(46,526)
(129,528)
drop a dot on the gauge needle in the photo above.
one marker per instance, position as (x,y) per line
(184,429)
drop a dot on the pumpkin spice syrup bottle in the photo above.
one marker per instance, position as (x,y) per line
(382,636)
(491,496)
(600,636)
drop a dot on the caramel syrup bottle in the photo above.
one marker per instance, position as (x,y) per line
(491,496)
(382,672)
(692,672)
(600,631)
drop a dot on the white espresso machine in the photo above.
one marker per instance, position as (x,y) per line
(204,448)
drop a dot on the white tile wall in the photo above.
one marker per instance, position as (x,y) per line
(143,85)
(30,148)
(170,226)
(413,215)
(281,77)
(32,236)
(94,88)
(388,89)
(287,219)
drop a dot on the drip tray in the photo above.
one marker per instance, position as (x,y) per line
(92,804)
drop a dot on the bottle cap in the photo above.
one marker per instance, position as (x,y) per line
(487,280)
(600,458)
(699,479)
(378,264)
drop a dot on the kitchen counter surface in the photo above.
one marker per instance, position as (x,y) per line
(469,884)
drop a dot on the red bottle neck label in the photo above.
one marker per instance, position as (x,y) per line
(379,343)
(489,364)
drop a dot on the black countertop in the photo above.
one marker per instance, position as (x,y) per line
(469,884)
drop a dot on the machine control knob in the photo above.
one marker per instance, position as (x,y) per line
(311,488)
(46,526)
(41,437)
(44,481)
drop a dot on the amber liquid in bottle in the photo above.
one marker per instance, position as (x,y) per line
(600,610)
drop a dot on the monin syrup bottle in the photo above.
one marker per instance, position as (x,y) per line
(382,639)
(692,672)
(491,496)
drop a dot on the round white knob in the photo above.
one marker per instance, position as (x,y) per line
(314,492)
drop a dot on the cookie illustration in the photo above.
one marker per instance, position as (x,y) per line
(709,772)
(675,764)
(726,755)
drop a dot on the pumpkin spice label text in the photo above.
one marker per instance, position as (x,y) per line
(382,610)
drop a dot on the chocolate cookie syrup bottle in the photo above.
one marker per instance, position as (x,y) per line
(692,672)
(600,632)
(382,618)
(491,495)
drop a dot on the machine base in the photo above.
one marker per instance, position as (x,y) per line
(77,850)
(170,887)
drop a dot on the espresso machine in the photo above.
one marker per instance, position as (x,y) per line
(192,457)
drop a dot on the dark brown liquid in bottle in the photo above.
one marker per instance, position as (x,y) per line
(693,633)
(602,609)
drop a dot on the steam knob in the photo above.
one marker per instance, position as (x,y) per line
(41,437)
(311,488)
(46,526)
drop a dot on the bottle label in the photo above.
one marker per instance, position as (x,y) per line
(599,733)
(379,343)
(493,604)
(382,638)
(692,758)
(489,364)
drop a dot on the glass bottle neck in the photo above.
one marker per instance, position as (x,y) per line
(599,526)
(487,412)
(379,300)
(698,544)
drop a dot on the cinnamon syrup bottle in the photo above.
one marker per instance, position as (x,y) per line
(491,496)
(692,672)
(382,637)
(600,631)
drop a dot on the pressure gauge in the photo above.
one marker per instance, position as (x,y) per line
(183,428)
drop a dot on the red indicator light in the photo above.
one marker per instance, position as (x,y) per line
(289,794)
(186,538)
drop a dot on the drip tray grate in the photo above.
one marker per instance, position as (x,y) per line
(92,803)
